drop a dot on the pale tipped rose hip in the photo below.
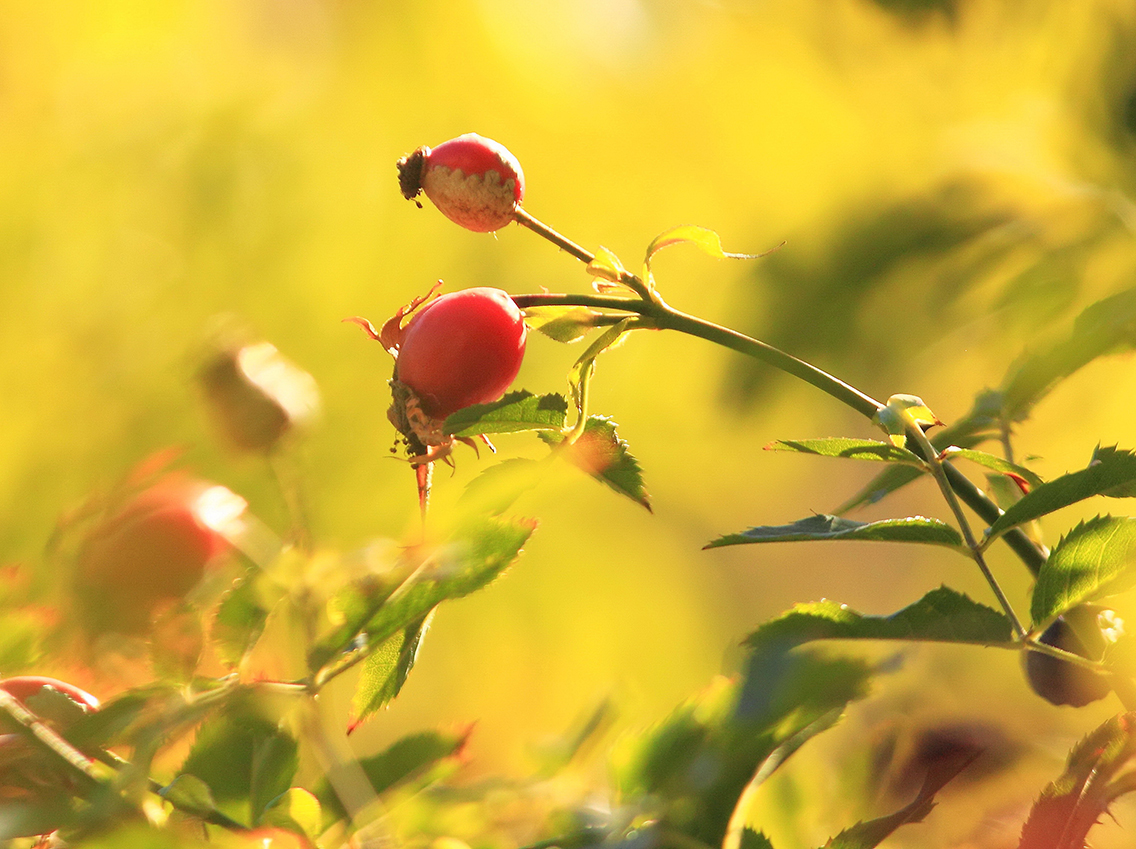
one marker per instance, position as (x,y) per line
(474,181)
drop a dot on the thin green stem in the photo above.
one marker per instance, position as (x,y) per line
(651,306)
(1028,551)
(665,317)
(631,281)
(936,464)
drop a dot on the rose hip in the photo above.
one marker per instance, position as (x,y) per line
(474,181)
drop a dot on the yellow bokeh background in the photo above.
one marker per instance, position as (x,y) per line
(952,181)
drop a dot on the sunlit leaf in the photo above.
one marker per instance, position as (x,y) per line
(706,240)
(1107,454)
(386,670)
(190,794)
(824,527)
(564,324)
(516,412)
(751,839)
(1110,471)
(696,764)
(412,760)
(1094,559)
(942,615)
(994,463)
(602,454)
(275,759)
(854,449)
(477,554)
(242,757)
(296,810)
(606,266)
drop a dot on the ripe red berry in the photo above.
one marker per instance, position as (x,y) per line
(155,548)
(474,181)
(463,348)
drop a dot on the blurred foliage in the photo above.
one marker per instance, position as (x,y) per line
(953,181)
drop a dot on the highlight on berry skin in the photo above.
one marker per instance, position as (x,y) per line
(474,181)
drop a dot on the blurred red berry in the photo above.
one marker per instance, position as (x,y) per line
(156,548)
(24,687)
(474,181)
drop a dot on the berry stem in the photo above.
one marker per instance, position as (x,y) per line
(663,316)
(936,465)
(631,281)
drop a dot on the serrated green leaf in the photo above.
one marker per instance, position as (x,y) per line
(563,323)
(994,463)
(1094,559)
(386,670)
(602,454)
(751,839)
(1107,454)
(854,449)
(1110,471)
(825,527)
(105,726)
(351,606)
(296,810)
(477,554)
(866,835)
(411,760)
(942,615)
(695,765)
(516,412)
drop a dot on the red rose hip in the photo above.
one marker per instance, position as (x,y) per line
(474,181)
(24,687)
(463,348)
(152,550)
